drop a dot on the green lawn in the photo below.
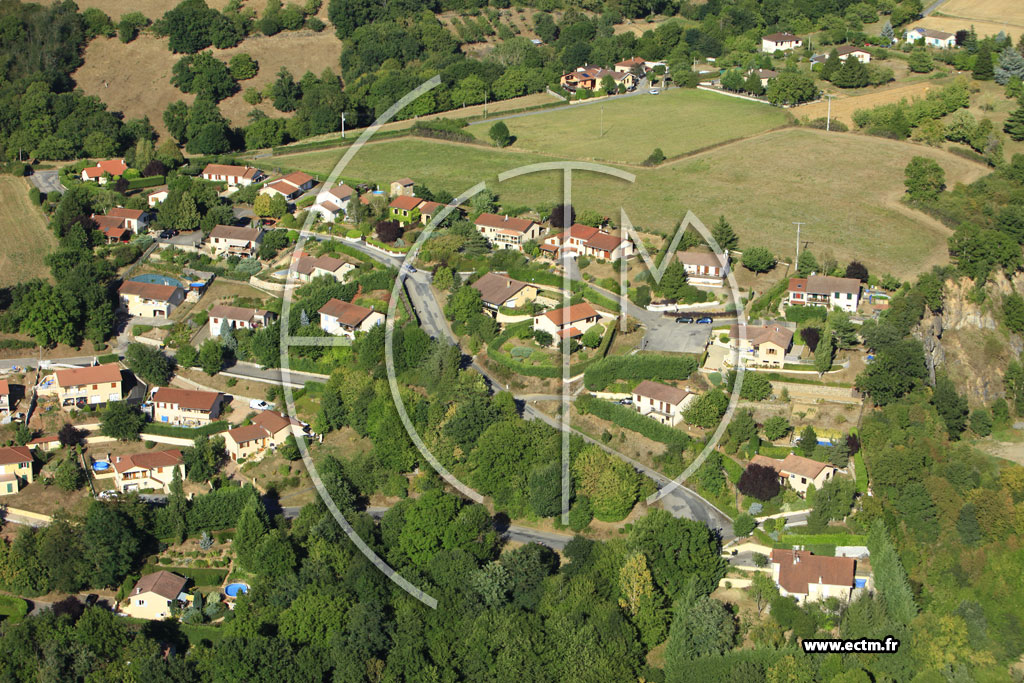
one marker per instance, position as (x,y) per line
(845,187)
(677,121)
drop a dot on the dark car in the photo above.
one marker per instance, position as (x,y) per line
(684,319)
(626,402)
(704,321)
(166,234)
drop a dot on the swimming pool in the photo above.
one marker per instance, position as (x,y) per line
(156,279)
(101,466)
(233,590)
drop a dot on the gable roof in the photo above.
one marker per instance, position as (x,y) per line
(760,334)
(11,455)
(297,178)
(230,170)
(347,314)
(106,223)
(799,568)
(187,398)
(283,186)
(247,433)
(148,461)
(765,461)
(826,284)
(571,314)
(121,212)
(236,232)
(428,208)
(342,192)
(236,313)
(114,167)
(605,241)
(801,466)
(96,374)
(405,203)
(163,583)
(148,290)
(931,33)
(702,258)
(271,421)
(496,289)
(491,220)
(784,37)
(5,388)
(660,392)
(404,182)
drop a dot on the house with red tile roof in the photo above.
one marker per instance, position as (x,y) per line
(234,240)
(333,203)
(427,211)
(290,186)
(114,168)
(662,402)
(584,240)
(149,299)
(405,209)
(569,322)
(812,578)
(96,385)
(762,345)
(797,471)
(506,232)
(185,407)
(5,395)
(704,267)
(134,219)
(238,318)
(233,175)
(15,469)
(155,596)
(344,319)
(153,470)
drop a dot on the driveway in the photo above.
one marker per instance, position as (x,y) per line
(47,181)
(676,337)
(184,239)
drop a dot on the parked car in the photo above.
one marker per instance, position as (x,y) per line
(704,321)
(684,319)
(257,404)
(166,234)
(626,402)
(108,494)
(655,92)
(409,268)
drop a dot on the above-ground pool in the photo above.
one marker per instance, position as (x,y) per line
(101,466)
(233,590)
(156,279)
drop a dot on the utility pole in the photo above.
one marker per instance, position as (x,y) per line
(828,117)
(798,224)
(343,124)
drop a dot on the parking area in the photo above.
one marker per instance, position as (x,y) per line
(677,337)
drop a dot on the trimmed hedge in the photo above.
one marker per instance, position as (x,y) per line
(799,314)
(161,429)
(630,419)
(201,577)
(638,367)
(108,358)
(823,539)
(862,473)
(13,608)
(147,181)
(16,344)
(733,470)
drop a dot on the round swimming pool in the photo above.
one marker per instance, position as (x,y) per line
(233,590)
(100,466)
(156,279)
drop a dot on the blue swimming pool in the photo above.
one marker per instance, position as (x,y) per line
(101,466)
(233,590)
(155,279)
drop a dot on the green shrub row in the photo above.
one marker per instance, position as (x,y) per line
(160,429)
(799,314)
(639,366)
(108,358)
(823,539)
(16,344)
(630,419)
(201,577)
(147,181)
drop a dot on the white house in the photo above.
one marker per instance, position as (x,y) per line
(504,232)
(661,402)
(234,240)
(290,186)
(569,322)
(584,240)
(825,290)
(931,37)
(134,219)
(333,203)
(239,318)
(780,41)
(158,195)
(344,319)
(844,52)
(308,268)
(232,175)
(108,167)
(809,577)
(704,267)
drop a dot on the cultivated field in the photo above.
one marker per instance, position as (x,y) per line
(846,103)
(846,188)
(24,234)
(988,17)
(678,121)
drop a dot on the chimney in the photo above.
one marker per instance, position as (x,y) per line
(506,216)
(508,283)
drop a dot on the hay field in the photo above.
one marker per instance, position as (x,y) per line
(23,233)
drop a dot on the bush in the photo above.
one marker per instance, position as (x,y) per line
(656,157)
(638,367)
(759,482)
(744,524)
(630,419)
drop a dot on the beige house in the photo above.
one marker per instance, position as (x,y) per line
(155,595)
(499,291)
(763,345)
(15,469)
(342,318)
(569,322)
(233,240)
(704,267)
(504,232)
(799,472)
(239,318)
(154,470)
(403,187)
(233,175)
(185,407)
(247,441)
(148,299)
(584,240)
(427,211)
(95,386)
(590,77)
(5,395)
(809,577)
(278,427)
(157,195)
(661,402)
(308,268)
(825,290)
(780,41)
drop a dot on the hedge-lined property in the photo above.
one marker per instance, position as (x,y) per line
(160,429)
(630,419)
(638,367)
(200,576)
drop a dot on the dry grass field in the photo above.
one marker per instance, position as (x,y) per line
(24,234)
(988,17)
(845,103)
(154,9)
(846,188)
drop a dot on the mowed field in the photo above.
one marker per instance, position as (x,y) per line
(678,121)
(23,233)
(845,187)
(988,17)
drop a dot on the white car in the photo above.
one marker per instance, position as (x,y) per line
(256,404)
(655,92)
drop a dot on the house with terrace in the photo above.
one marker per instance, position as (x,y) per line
(234,240)
(662,402)
(153,470)
(501,291)
(824,290)
(185,407)
(344,319)
(763,346)
(813,578)
(156,596)
(113,228)
(333,203)
(133,219)
(584,240)
(504,232)
(149,299)
(239,318)
(233,175)
(569,322)
(291,186)
(108,168)
(590,77)
(704,267)
(15,469)
(95,386)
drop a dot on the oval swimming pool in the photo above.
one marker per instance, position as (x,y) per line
(157,279)
(233,590)
(100,466)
